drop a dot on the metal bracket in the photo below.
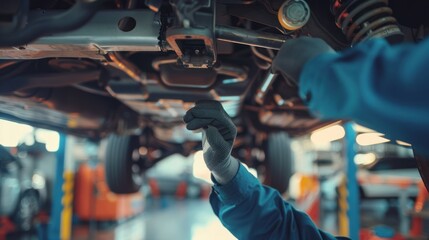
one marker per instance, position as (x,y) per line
(192,37)
(17,33)
(100,35)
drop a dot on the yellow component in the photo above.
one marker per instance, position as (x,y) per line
(308,185)
(343,220)
(67,201)
(72,122)
(293,14)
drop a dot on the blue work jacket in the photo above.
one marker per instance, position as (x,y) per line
(380,86)
(250,210)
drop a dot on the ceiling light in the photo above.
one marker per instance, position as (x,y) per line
(361,129)
(403,143)
(328,134)
(365,159)
(366,139)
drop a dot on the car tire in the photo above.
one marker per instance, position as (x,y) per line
(27,208)
(123,170)
(278,161)
(362,195)
(423,166)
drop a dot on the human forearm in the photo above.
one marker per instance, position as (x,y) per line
(253,211)
(227,171)
(375,84)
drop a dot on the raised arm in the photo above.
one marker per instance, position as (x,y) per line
(381,86)
(245,207)
(253,211)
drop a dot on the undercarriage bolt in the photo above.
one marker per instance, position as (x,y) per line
(294,14)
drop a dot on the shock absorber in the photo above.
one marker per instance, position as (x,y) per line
(362,20)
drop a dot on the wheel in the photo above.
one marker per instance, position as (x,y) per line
(27,208)
(278,161)
(361,193)
(123,170)
(423,166)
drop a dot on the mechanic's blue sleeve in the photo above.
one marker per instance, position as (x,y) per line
(382,87)
(250,210)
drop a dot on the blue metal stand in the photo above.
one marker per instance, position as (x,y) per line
(57,193)
(352,184)
(54,228)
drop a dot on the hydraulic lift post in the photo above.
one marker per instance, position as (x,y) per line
(352,184)
(60,225)
(348,216)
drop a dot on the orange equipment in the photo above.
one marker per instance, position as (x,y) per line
(182,190)
(6,226)
(154,188)
(94,201)
(419,213)
(308,199)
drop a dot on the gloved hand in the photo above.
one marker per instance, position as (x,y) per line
(295,53)
(219,133)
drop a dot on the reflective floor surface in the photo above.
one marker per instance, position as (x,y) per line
(163,219)
(168,219)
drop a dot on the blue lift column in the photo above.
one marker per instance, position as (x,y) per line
(60,223)
(349,206)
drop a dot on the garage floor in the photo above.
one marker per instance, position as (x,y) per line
(193,219)
(162,219)
(168,218)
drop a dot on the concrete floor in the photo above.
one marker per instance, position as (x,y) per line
(164,219)
(168,218)
(193,219)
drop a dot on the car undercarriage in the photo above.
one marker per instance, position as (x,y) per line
(132,69)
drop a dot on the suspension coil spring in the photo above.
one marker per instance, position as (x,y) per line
(362,20)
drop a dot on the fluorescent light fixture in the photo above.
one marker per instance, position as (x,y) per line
(328,134)
(367,139)
(361,129)
(12,133)
(403,143)
(365,159)
(51,139)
